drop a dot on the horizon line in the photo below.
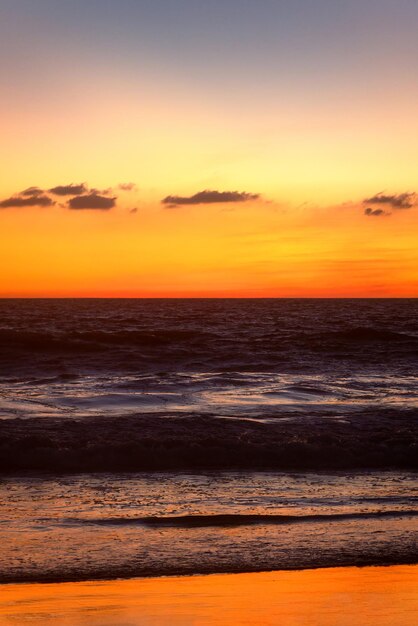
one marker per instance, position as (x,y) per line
(415,297)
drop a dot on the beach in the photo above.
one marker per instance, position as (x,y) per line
(387,596)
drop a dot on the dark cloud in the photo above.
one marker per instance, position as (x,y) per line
(82,197)
(135,210)
(32,191)
(405,200)
(210,197)
(92,201)
(30,200)
(375,212)
(127,186)
(69,190)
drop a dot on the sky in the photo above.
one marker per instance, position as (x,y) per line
(185,148)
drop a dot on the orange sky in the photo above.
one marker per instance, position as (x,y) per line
(313,134)
(253,250)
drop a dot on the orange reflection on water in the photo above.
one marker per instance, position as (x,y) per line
(327,597)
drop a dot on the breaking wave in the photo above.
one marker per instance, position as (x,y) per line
(232,520)
(190,441)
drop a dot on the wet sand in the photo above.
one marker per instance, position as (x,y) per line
(387,596)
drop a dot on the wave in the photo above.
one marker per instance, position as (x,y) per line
(224,342)
(233,520)
(90,340)
(370,334)
(376,439)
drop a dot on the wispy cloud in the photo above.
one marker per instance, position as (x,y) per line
(405,200)
(210,197)
(69,190)
(127,186)
(375,212)
(31,191)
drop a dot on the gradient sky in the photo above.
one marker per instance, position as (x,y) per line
(298,119)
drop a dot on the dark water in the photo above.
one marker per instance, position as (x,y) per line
(64,338)
(245,383)
(147,437)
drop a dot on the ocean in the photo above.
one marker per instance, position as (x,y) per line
(174,436)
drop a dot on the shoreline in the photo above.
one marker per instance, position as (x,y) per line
(130,576)
(118,527)
(318,597)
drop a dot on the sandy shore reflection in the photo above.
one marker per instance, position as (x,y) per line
(327,597)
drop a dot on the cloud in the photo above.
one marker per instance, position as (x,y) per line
(375,212)
(81,197)
(210,197)
(100,192)
(32,191)
(134,210)
(29,200)
(92,201)
(69,190)
(127,186)
(405,200)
